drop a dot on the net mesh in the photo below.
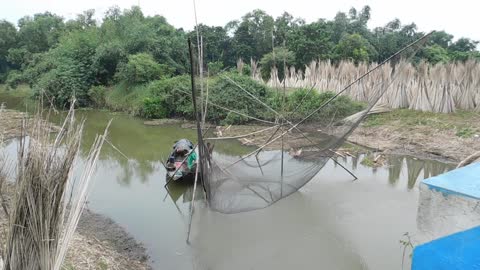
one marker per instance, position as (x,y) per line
(291,147)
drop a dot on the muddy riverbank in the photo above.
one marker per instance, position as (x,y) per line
(444,137)
(99,242)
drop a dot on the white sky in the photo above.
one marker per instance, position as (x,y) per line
(459,17)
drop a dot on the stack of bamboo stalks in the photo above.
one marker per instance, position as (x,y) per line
(48,201)
(441,88)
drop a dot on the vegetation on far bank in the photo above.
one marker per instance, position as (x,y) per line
(127,50)
(465,124)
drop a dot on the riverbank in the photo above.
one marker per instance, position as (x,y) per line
(444,137)
(99,243)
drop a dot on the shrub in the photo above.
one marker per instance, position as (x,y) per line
(214,67)
(141,68)
(154,107)
(127,99)
(176,95)
(97,95)
(234,119)
(276,58)
(226,94)
(339,108)
(14,78)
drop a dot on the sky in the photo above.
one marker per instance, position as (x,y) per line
(459,17)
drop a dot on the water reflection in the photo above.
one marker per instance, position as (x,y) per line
(341,220)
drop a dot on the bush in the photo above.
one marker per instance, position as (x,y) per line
(175,93)
(141,68)
(234,119)
(214,68)
(97,95)
(276,58)
(340,107)
(127,99)
(14,78)
(226,94)
(154,107)
(106,60)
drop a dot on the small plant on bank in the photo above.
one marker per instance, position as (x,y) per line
(466,132)
(368,161)
(406,243)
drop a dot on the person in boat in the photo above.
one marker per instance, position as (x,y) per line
(181,149)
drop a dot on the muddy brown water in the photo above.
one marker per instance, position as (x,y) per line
(331,223)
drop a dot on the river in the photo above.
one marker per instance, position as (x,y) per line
(331,223)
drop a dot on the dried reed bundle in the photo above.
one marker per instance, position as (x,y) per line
(378,108)
(440,88)
(48,201)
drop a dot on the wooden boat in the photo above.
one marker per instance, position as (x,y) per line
(182,162)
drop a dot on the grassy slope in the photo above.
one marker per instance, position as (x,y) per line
(465,124)
(22,90)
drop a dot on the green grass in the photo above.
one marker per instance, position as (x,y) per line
(461,121)
(23,90)
(127,99)
(467,132)
(368,161)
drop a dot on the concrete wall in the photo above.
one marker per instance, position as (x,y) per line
(449,203)
(441,213)
(448,220)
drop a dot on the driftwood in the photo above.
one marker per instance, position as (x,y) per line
(469,160)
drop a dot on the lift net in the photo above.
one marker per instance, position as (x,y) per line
(291,146)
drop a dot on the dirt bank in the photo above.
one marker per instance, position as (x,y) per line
(98,243)
(444,137)
(11,122)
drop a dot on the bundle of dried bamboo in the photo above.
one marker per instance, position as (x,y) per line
(48,201)
(440,88)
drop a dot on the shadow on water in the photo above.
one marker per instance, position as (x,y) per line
(332,223)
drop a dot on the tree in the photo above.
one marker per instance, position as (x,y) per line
(253,36)
(311,42)
(8,40)
(355,47)
(277,59)
(106,60)
(284,25)
(141,68)
(83,21)
(440,38)
(435,54)
(216,43)
(393,37)
(67,70)
(463,45)
(40,33)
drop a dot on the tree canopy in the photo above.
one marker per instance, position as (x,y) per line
(61,57)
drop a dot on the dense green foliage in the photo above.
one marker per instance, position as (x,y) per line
(301,102)
(280,58)
(132,58)
(171,98)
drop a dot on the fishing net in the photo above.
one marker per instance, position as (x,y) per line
(290,145)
